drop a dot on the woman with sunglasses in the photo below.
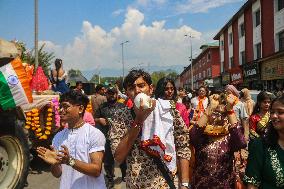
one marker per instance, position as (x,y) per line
(265,168)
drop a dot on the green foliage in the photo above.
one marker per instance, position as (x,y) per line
(160,74)
(74,73)
(44,58)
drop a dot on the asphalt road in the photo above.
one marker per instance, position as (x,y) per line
(40,177)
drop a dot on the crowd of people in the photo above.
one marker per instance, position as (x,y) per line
(208,139)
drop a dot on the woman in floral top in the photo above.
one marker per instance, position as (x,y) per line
(260,115)
(265,168)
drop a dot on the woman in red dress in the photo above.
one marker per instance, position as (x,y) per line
(260,115)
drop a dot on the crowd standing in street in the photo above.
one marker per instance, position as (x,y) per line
(103,118)
(169,140)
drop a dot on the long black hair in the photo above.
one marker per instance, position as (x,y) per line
(58,64)
(262,96)
(271,136)
(161,85)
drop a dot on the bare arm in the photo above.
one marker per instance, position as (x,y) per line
(126,144)
(92,169)
(56,170)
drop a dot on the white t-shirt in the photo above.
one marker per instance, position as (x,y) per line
(80,143)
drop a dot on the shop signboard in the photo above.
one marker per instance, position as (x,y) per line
(225,78)
(236,77)
(251,71)
(217,81)
(272,69)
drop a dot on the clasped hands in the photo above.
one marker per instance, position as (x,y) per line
(52,156)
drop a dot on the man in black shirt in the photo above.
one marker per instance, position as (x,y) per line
(103,117)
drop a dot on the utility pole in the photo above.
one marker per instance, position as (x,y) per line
(122,58)
(36,34)
(190,59)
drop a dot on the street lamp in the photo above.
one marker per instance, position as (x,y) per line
(36,34)
(122,58)
(191,71)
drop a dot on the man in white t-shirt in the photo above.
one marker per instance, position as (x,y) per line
(77,152)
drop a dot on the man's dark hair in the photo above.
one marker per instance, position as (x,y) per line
(75,97)
(99,87)
(78,83)
(133,75)
(161,85)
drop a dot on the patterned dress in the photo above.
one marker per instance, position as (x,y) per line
(265,168)
(142,172)
(214,157)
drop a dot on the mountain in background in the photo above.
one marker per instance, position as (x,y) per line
(118,72)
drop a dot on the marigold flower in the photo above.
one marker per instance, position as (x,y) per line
(47,132)
(48,128)
(43,137)
(38,134)
(34,110)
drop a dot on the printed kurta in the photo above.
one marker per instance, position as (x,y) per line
(142,172)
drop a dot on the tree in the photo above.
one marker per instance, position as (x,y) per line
(160,74)
(44,58)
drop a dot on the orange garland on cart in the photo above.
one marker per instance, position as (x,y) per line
(33,123)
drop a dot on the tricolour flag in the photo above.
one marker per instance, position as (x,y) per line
(14,85)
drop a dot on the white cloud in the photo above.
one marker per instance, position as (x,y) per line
(196,6)
(117,12)
(154,44)
(147,3)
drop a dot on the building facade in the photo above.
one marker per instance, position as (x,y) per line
(205,66)
(252,45)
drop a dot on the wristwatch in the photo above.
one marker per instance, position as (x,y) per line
(186,184)
(71,162)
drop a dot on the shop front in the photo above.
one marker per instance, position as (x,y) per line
(236,77)
(217,81)
(272,72)
(251,76)
(226,78)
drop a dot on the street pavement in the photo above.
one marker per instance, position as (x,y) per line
(40,177)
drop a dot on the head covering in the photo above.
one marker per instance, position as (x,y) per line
(233,89)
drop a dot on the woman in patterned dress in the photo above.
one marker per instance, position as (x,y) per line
(265,168)
(260,115)
(215,138)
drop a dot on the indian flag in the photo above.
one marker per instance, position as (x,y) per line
(14,86)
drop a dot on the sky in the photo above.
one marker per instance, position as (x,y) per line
(87,34)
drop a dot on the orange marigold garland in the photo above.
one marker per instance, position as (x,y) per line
(33,123)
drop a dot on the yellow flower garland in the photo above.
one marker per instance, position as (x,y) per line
(33,123)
